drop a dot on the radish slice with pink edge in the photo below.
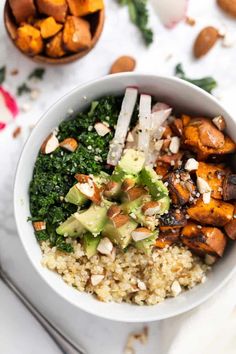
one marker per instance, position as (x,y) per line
(170,12)
(127,108)
(145,105)
(8,108)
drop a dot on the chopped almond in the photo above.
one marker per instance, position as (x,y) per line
(50,144)
(191,165)
(151,208)
(135,193)
(39,225)
(113,211)
(102,129)
(87,187)
(105,246)
(16,132)
(140,234)
(174,144)
(127,184)
(219,122)
(69,144)
(120,220)
(111,189)
(96,279)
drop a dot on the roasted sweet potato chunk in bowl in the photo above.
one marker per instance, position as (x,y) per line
(213,241)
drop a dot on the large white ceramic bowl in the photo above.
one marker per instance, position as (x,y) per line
(177,93)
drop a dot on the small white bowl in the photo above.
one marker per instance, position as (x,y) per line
(179,94)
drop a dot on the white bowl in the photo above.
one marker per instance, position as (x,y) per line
(179,94)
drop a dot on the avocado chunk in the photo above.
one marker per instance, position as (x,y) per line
(71,227)
(74,196)
(130,164)
(147,244)
(120,236)
(93,219)
(90,244)
(156,187)
(134,209)
(165,205)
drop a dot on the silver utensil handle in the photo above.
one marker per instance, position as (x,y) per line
(67,346)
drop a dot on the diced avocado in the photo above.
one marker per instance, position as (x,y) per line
(120,236)
(90,244)
(147,244)
(149,222)
(131,163)
(156,187)
(74,196)
(165,204)
(102,178)
(71,227)
(130,207)
(93,219)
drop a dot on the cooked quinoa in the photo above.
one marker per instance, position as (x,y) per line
(130,277)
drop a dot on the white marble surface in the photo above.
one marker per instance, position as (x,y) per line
(119,37)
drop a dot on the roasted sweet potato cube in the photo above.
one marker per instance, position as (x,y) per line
(22,9)
(181,187)
(214,175)
(48,27)
(162,168)
(167,240)
(185,119)
(216,213)
(29,40)
(205,141)
(229,187)
(84,7)
(76,34)
(167,132)
(54,48)
(203,239)
(173,160)
(177,126)
(230,227)
(175,219)
(55,8)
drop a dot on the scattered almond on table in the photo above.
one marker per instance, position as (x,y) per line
(229,6)
(205,40)
(124,63)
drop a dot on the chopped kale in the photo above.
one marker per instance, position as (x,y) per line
(37,73)
(206,83)
(54,173)
(138,14)
(2,74)
(22,89)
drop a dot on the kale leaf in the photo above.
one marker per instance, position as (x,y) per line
(207,83)
(138,14)
(37,73)
(2,74)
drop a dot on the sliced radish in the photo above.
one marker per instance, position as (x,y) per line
(144,123)
(170,12)
(127,108)
(8,108)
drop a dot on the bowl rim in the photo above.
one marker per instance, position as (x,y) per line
(109,316)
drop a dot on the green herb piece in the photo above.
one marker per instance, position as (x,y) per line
(138,14)
(206,83)
(22,89)
(37,73)
(2,74)
(42,235)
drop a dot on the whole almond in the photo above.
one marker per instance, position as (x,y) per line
(205,41)
(228,6)
(123,64)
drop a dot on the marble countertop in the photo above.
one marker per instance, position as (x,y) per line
(119,37)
